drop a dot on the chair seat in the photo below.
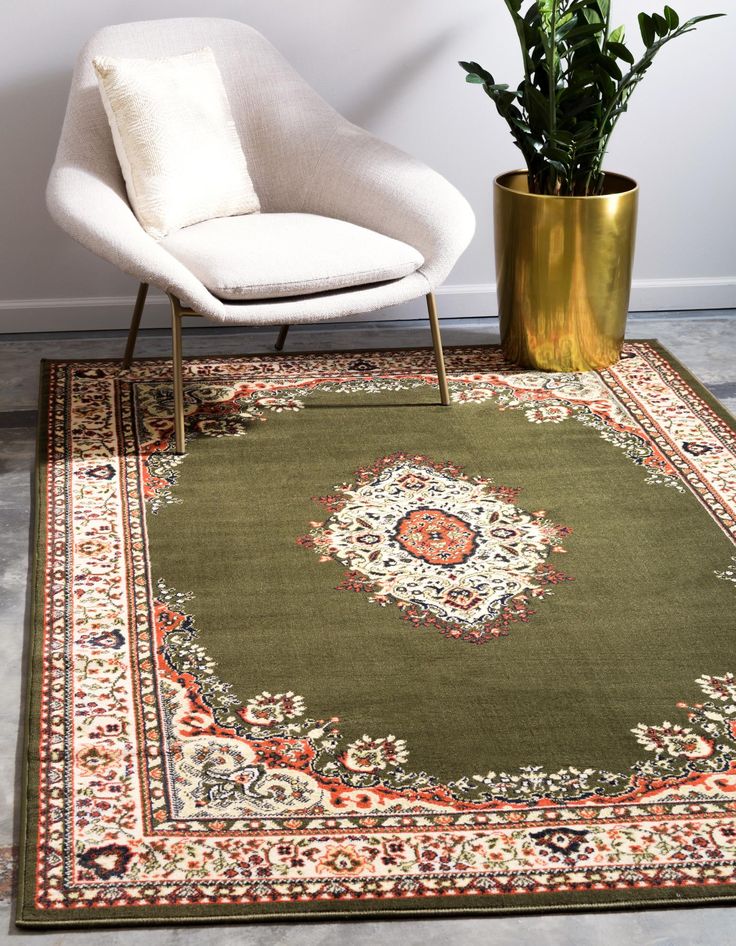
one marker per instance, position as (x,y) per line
(269,256)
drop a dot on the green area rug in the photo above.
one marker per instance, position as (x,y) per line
(359,654)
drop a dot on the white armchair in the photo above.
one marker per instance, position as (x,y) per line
(304,159)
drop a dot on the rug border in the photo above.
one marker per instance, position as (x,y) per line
(37,512)
(28,917)
(693,380)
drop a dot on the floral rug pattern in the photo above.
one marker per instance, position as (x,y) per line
(155,788)
(451,552)
(221,777)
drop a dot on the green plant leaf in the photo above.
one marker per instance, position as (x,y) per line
(620,51)
(558,166)
(521,125)
(555,154)
(646,26)
(537,106)
(618,35)
(576,32)
(611,67)
(660,24)
(532,16)
(578,5)
(481,74)
(547,9)
(701,19)
(673,20)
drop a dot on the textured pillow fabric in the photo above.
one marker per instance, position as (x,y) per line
(175,139)
(270,256)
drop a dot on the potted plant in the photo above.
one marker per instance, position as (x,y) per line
(565,228)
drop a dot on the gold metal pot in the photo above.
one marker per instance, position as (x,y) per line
(563,269)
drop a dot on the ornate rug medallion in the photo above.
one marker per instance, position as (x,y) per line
(249,740)
(436,536)
(448,550)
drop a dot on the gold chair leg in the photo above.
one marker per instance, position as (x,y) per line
(140,301)
(176,353)
(282,338)
(439,357)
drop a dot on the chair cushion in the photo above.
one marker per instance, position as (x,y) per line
(269,256)
(175,139)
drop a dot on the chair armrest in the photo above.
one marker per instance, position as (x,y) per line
(366,181)
(96,213)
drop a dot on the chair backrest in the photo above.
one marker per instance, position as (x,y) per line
(283,123)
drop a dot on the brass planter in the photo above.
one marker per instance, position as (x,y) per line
(563,269)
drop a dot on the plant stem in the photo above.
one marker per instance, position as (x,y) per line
(551,77)
(519,27)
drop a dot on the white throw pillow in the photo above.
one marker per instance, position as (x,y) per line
(175,139)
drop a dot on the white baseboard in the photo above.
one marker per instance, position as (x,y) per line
(674,295)
(455,302)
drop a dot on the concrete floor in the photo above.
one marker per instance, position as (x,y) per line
(705,342)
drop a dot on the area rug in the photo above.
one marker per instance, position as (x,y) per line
(359,654)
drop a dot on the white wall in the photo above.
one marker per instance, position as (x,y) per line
(389,65)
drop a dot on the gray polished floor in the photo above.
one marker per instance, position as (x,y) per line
(705,342)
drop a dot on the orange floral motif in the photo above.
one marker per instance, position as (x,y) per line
(436,536)
(96,758)
(343,859)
